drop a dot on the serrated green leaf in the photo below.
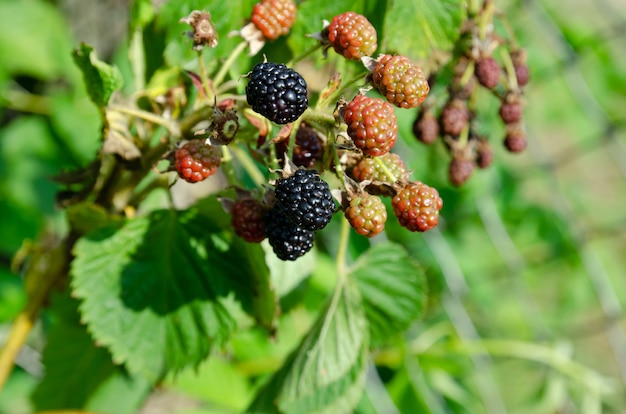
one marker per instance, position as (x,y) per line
(393,289)
(154,291)
(80,375)
(100,78)
(326,373)
(417,28)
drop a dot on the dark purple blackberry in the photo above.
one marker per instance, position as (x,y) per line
(308,150)
(306,199)
(287,239)
(277,92)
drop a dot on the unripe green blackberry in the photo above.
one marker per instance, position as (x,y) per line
(369,169)
(277,92)
(399,80)
(366,214)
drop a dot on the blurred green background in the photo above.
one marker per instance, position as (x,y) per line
(527,265)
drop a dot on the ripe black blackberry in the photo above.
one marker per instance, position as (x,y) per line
(277,92)
(306,199)
(288,240)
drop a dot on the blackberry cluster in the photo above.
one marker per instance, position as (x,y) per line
(303,205)
(305,199)
(277,92)
(288,240)
(476,70)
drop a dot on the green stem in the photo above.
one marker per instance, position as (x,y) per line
(26,102)
(221,74)
(304,55)
(464,137)
(318,117)
(335,95)
(203,76)
(344,238)
(172,127)
(510,69)
(246,161)
(386,170)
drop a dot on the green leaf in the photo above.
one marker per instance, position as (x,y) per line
(393,288)
(418,28)
(326,373)
(154,291)
(100,78)
(80,375)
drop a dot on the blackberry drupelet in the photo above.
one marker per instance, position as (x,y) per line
(306,199)
(288,240)
(277,92)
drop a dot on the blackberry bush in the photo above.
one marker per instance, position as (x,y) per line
(201,267)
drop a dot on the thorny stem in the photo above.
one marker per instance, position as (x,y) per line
(318,116)
(221,74)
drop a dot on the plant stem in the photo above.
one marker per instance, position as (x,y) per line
(510,69)
(205,80)
(221,74)
(344,238)
(246,161)
(172,127)
(386,170)
(49,264)
(335,95)
(304,55)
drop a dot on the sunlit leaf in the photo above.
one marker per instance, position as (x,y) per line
(393,288)
(326,373)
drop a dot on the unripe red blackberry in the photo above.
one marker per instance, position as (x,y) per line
(515,141)
(195,161)
(454,117)
(510,112)
(417,206)
(372,124)
(247,219)
(306,199)
(399,80)
(308,148)
(426,126)
(352,35)
(460,170)
(484,153)
(487,72)
(277,92)
(366,214)
(274,17)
